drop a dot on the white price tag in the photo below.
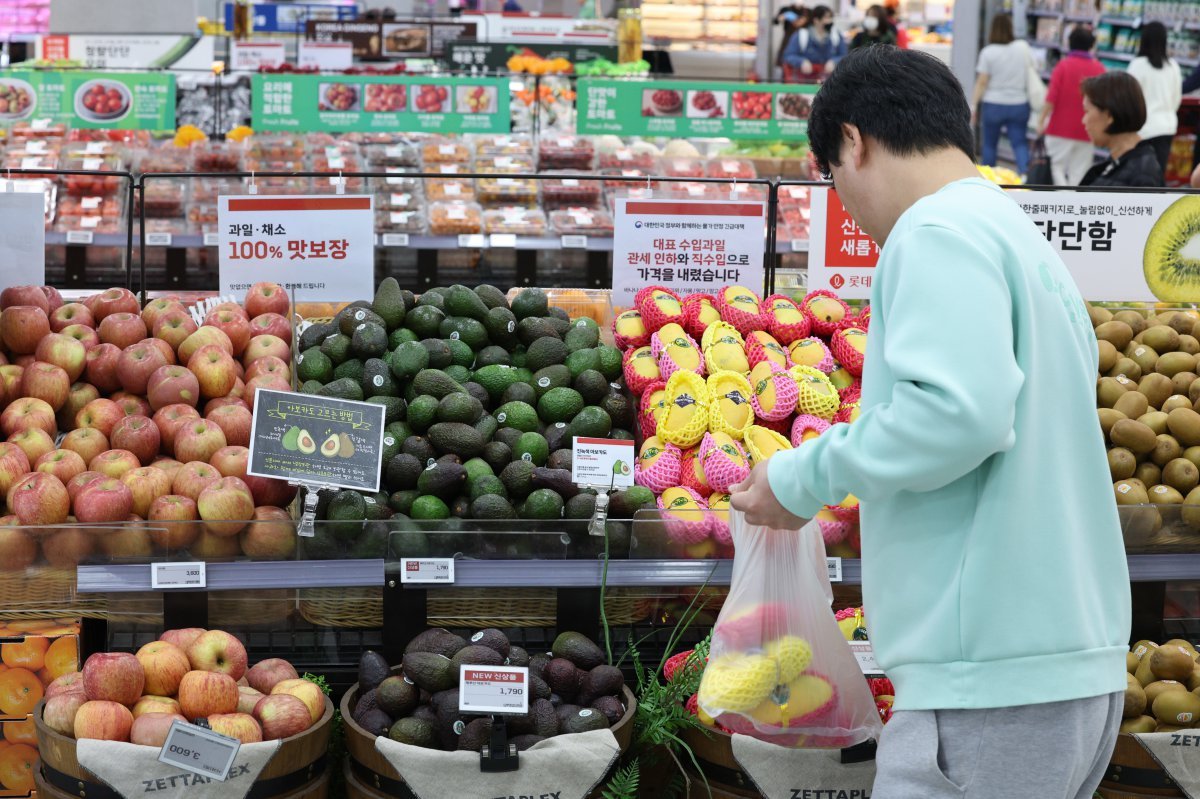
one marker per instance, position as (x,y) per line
(158,239)
(574,242)
(199,751)
(835,569)
(31,163)
(570,183)
(503,240)
(602,462)
(865,655)
(93,164)
(427,570)
(80,236)
(395,239)
(471,240)
(91,203)
(799,245)
(212,239)
(177,575)
(493,689)
(95,148)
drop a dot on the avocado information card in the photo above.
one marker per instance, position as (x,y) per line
(314,440)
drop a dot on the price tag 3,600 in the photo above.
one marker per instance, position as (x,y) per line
(199,751)
(493,689)
(177,575)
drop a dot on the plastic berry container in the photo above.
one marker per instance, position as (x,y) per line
(582,222)
(566,192)
(407,200)
(400,154)
(450,190)
(92,185)
(213,156)
(627,158)
(91,223)
(445,151)
(683,168)
(518,221)
(516,144)
(207,191)
(202,218)
(566,152)
(455,218)
(165,158)
(732,169)
(164,199)
(411,222)
(89,206)
(506,191)
(504,164)
(275,147)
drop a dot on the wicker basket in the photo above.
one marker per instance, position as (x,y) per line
(43,593)
(342,607)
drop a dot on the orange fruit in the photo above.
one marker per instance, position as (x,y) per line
(17,764)
(20,692)
(20,732)
(62,657)
(27,654)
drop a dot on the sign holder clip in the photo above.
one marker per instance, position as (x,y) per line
(600,514)
(308,516)
(499,754)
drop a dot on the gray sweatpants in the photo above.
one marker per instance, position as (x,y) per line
(1053,751)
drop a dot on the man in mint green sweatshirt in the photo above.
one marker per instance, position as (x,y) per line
(994,573)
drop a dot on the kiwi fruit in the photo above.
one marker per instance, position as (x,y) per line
(1193,682)
(1128,368)
(1193,455)
(1108,417)
(1099,315)
(1165,495)
(1157,688)
(1155,388)
(1135,319)
(1182,475)
(1133,404)
(1156,421)
(1160,728)
(1129,493)
(1166,450)
(1140,525)
(1148,474)
(1161,338)
(1131,664)
(1116,333)
(1184,424)
(1182,321)
(1121,463)
(1177,707)
(1176,401)
(1108,354)
(1189,344)
(1136,437)
(1183,643)
(1172,663)
(1135,701)
(1143,648)
(1108,391)
(1142,724)
(1190,512)
(1145,357)
(1193,392)
(1172,363)
(1182,383)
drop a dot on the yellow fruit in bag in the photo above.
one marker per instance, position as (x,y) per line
(736,683)
(792,654)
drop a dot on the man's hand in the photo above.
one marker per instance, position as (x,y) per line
(806,67)
(754,498)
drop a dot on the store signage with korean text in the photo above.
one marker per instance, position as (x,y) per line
(365,103)
(393,40)
(494,56)
(694,108)
(689,246)
(291,17)
(321,247)
(316,440)
(606,462)
(1117,246)
(125,52)
(493,689)
(325,55)
(253,56)
(110,100)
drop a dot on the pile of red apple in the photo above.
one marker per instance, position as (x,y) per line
(155,417)
(185,675)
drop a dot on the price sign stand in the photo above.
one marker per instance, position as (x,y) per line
(497,691)
(499,754)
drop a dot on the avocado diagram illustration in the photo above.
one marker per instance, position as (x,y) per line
(330,446)
(291,439)
(305,442)
(345,446)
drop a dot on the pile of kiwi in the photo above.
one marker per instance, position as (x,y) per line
(1163,687)
(1148,400)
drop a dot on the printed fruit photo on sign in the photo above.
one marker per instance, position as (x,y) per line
(1171,259)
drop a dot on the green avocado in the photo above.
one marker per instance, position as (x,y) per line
(291,439)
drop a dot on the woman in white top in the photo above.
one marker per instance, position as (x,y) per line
(1001,93)
(1162,86)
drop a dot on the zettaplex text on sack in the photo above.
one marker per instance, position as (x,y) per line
(550,795)
(829,793)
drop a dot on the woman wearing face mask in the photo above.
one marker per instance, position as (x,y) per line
(816,49)
(876,29)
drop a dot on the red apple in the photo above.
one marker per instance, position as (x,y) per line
(53,297)
(67,548)
(82,481)
(268,673)
(174,327)
(183,637)
(282,716)
(168,465)
(272,382)
(146,484)
(73,313)
(225,506)
(237,725)
(106,500)
(130,541)
(248,698)
(266,298)
(114,463)
(268,365)
(33,441)
(138,434)
(24,295)
(46,382)
(84,334)
(10,374)
(228,307)
(81,394)
(162,346)
(114,677)
(64,352)
(87,442)
(23,326)
(135,365)
(18,550)
(173,385)
(203,693)
(218,651)
(269,491)
(28,412)
(14,464)
(198,440)
(211,547)
(206,334)
(235,422)
(103,720)
(213,368)
(131,404)
(60,709)
(230,461)
(155,309)
(115,300)
(169,419)
(193,478)
(272,324)
(122,329)
(307,692)
(40,498)
(69,683)
(175,522)
(101,368)
(164,665)
(222,402)
(100,414)
(62,463)
(264,346)
(152,729)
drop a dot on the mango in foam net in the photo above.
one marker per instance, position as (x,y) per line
(775,392)
(762,346)
(817,395)
(724,349)
(740,307)
(686,418)
(730,408)
(674,350)
(812,352)
(736,683)
(762,443)
(792,655)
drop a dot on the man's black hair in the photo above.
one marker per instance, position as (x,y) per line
(1081,38)
(908,101)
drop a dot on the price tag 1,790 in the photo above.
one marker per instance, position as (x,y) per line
(493,689)
(427,570)
(199,751)
(177,575)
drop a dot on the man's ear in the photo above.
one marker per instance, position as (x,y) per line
(855,145)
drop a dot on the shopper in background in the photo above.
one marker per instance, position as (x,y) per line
(1113,113)
(792,18)
(1162,87)
(893,15)
(1001,99)
(876,29)
(815,50)
(1061,120)
(1007,668)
